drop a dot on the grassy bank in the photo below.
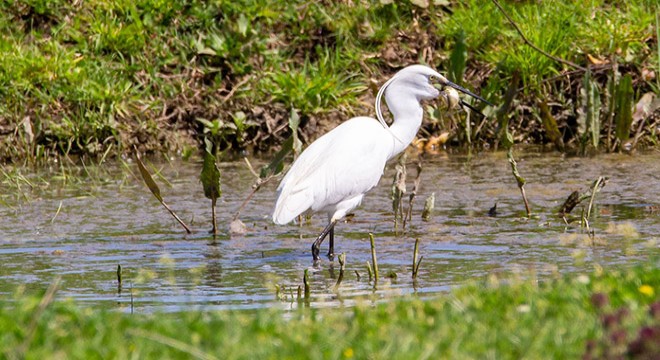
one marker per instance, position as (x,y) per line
(608,313)
(90,77)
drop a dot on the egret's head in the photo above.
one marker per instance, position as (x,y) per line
(417,80)
(421,81)
(423,78)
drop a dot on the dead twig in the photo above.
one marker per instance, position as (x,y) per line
(235,87)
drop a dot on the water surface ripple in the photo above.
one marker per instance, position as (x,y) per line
(80,223)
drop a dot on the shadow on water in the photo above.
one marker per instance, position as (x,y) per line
(81,230)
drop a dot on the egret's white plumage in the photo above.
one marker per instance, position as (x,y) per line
(335,171)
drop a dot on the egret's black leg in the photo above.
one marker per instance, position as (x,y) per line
(316,246)
(331,249)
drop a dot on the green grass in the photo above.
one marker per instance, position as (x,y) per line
(617,30)
(314,87)
(79,77)
(508,318)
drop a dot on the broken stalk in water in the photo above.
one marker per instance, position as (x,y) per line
(131,297)
(370,271)
(373,256)
(519,180)
(398,189)
(214,230)
(416,263)
(584,222)
(429,205)
(306,283)
(595,187)
(119,278)
(59,208)
(257,185)
(342,263)
(416,183)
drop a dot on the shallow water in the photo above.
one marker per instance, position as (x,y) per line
(80,227)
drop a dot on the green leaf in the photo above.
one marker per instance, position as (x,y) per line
(212,127)
(153,187)
(550,126)
(239,120)
(243,24)
(208,146)
(148,180)
(506,139)
(294,120)
(277,164)
(210,177)
(205,122)
(589,112)
(219,45)
(457,59)
(594,119)
(294,123)
(623,108)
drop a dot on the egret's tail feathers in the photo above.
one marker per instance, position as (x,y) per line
(290,205)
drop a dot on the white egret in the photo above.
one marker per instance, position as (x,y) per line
(335,172)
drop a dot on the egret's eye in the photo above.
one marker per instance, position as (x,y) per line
(433,78)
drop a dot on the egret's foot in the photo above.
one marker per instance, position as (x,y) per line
(315,253)
(331,254)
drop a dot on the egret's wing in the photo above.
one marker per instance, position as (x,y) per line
(354,169)
(346,162)
(294,194)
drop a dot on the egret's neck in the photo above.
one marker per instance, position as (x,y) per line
(407,113)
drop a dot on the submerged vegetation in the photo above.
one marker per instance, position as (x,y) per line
(611,313)
(98,77)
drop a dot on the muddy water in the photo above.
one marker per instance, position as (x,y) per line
(79,224)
